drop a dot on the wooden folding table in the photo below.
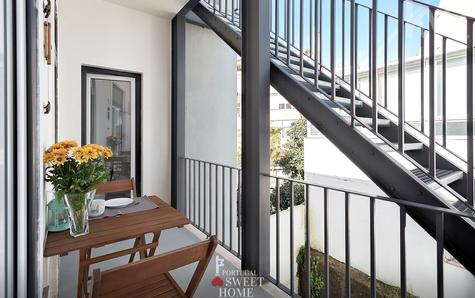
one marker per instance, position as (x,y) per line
(114,229)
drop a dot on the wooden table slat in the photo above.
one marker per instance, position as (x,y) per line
(109,230)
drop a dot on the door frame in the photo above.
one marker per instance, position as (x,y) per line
(93,70)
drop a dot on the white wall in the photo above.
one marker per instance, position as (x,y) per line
(326,165)
(99,33)
(211,97)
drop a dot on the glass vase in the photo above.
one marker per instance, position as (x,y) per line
(57,214)
(77,205)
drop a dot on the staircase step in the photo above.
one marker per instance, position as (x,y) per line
(445,176)
(369,121)
(347,102)
(407,146)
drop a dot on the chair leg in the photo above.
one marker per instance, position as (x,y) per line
(132,255)
(143,253)
(156,238)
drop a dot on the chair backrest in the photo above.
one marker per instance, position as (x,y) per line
(142,270)
(117,186)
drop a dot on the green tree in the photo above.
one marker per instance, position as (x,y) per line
(275,140)
(292,156)
(291,161)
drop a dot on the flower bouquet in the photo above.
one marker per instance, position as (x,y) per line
(75,171)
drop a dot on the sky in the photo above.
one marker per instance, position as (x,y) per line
(415,13)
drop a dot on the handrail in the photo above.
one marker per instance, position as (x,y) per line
(379,197)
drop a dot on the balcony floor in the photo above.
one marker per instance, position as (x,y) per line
(169,240)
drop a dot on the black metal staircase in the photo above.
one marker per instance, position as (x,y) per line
(347,117)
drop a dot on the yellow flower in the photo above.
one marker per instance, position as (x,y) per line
(48,158)
(80,155)
(60,160)
(67,144)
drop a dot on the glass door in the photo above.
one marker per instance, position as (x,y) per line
(110,121)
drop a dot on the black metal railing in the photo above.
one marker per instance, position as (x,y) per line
(297,41)
(326,193)
(212,201)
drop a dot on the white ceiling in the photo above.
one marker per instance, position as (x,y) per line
(161,8)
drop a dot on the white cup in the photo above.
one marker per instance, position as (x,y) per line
(97,207)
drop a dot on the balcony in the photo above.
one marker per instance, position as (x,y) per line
(187,94)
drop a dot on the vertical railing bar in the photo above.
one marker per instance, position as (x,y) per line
(374,62)
(470,177)
(310,27)
(287,28)
(317,45)
(401,76)
(332,47)
(307,240)
(199,194)
(239,213)
(343,6)
(210,199)
(232,11)
(301,70)
(372,248)
(187,188)
(292,270)
(353,61)
(205,205)
(325,237)
(231,209)
(320,35)
(277,28)
(216,200)
(293,22)
(347,247)
(370,61)
(226,9)
(385,60)
(277,231)
(240,13)
(422,79)
(223,194)
(194,191)
(432,153)
(444,91)
(356,45)
(440,254)
(402,250)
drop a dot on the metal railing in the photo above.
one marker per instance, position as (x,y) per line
(276,182)
(300,46)
(212,203)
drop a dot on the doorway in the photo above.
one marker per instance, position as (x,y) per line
(111,105)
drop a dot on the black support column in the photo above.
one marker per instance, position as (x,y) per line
(255,135)
(178,112)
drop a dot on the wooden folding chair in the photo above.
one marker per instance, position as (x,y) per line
(151,278)
(117,186)
(122,186)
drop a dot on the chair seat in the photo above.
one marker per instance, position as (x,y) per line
(160,286)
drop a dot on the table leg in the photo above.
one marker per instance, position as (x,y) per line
(84,254)
(156,238)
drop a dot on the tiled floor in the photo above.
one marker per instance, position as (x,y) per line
(169,240)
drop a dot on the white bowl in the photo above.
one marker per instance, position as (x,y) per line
(97,207)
